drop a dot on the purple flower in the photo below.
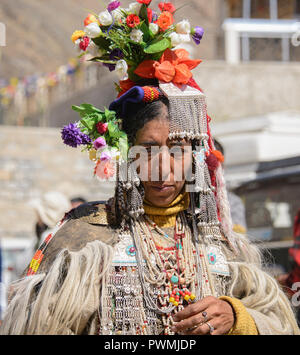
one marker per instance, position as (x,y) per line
(113,5)
(99,143)
(115,54)
(197,34)
(71,135)
(85,138)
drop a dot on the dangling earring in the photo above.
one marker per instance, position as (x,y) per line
(134,190)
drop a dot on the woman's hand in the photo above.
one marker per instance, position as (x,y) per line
(208,316)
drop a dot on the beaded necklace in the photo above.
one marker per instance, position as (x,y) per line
(170,269)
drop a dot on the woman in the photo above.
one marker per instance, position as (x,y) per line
(159,257)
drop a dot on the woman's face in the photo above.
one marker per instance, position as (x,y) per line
(163,164)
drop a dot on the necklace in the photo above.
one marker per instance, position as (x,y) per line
(171,269)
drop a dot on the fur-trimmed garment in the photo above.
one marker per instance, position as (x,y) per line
(66,295)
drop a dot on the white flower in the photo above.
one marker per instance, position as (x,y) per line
(94,50)
(105,18)
(154,28)
(177,39)
(118,14)
(183,27)
(136,35)
(135,7)
(121,69)
(92,30)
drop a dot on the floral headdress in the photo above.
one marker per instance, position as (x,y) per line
(136,43)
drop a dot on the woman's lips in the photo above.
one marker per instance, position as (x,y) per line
(162,188)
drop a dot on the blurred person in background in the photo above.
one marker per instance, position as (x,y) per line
(77,201)
(50,209)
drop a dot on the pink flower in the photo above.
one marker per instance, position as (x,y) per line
(104,169)
(105,156)
(99,143)
(101,127)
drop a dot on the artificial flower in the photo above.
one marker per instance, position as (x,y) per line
(90,19)
(136,35)
(174,66)
(125,85)
(105,156)
(177,39)
(122,69)
(132,20)
(84,43)
(167,6)
(118,14)
(77,35)
(183,27)
(135,8)
(197,34)
(104,169)
(146,2)
(93,30)
(72,136)
(149,14)
(113,5)
(105,18)
(101,127)
(93,154)
(165,20)
(115,54)
(153,27)
(99,143)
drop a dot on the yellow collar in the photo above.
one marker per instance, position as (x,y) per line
(165,217)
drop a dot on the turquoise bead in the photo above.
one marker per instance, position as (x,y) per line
(174,279)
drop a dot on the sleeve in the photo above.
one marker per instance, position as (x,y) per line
(244,324)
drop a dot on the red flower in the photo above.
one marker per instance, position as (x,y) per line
(84,43)
(150,14)
(167,6)
(146,2)
(132,20)
(101,127)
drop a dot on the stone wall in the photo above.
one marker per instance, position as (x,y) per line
(33,161)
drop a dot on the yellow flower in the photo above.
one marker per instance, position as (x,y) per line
(76,35)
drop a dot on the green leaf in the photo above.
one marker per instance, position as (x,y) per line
(123,145)
(102,42)
(144,14)
(86,109)
(157,47)
(145,29)
(113,130)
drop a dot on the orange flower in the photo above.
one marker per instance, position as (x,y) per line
(165,20)
(174,66)
(90,19)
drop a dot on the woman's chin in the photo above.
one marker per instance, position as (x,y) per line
(161,196)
